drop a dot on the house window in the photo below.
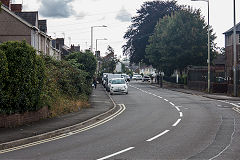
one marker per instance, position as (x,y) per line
(239,39)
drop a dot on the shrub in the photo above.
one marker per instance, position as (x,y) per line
(66,88)
(23,78)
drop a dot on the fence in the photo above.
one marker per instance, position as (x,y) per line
(198,77)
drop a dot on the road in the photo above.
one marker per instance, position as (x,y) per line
(154,123)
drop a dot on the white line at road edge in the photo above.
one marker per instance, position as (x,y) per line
(122,108)
(114,154)
(176,123)
(229,103)
(159,135)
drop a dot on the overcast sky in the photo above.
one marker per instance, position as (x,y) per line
(73,19)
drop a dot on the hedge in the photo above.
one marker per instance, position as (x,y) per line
(22,78)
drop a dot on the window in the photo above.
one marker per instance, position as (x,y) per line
(238,38)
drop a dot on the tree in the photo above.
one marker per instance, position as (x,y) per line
(84,61)
(143,26)
(179,40)
(109,62)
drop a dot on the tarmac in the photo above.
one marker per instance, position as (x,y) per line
(101,105)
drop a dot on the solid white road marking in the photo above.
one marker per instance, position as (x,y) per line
(166,100)
(229,103)
(176,123)
(171,103)
(159,135)
(117,153)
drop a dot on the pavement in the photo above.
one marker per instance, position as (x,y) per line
(217,96)
(101,106)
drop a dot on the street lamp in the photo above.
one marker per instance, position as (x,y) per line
(234,52)
(92,35)
(208,60)
(99,40)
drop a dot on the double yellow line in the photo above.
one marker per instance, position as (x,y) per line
(121,109)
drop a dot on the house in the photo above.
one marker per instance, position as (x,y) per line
(59,44)
(229,50)
(147,70)
(74,48)
(27,28)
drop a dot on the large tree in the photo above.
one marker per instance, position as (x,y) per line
(85,61)
(109,62)
(143,26)
(180,40)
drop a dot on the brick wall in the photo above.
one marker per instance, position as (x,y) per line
(10,121)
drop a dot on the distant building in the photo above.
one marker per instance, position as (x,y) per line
(118,68)
(147,70)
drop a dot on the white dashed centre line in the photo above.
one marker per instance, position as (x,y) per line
(177,108)
(177,122)
(181,114)
(159,135)
(117,153)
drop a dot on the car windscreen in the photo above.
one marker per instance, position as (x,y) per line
(118,81)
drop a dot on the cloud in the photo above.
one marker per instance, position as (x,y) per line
(57,8)
(123,15)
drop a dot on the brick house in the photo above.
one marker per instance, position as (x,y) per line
(17,26)
(229,50)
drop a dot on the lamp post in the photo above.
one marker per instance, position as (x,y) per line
(92,35)
(208,60)
(104,39)
(234,52)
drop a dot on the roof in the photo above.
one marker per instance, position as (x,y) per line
(24,21)
(231,30)
(17,17)
(30,17)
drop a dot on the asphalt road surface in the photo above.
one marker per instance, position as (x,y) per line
(154,123)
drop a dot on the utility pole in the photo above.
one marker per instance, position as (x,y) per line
(234,52)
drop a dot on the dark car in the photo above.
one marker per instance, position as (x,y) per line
(146,78)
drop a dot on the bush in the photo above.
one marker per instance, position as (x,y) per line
(22,78)
(66,89)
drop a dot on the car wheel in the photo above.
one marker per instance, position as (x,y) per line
(111,93)
(126,92)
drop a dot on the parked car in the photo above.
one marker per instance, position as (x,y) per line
(109,78)
(118,85)
(137,77)
(146,78)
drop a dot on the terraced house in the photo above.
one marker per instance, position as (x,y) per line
(17,26)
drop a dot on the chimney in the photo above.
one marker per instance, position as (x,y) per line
(6,3)
(16,7)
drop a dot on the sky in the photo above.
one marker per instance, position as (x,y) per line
(73,19)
